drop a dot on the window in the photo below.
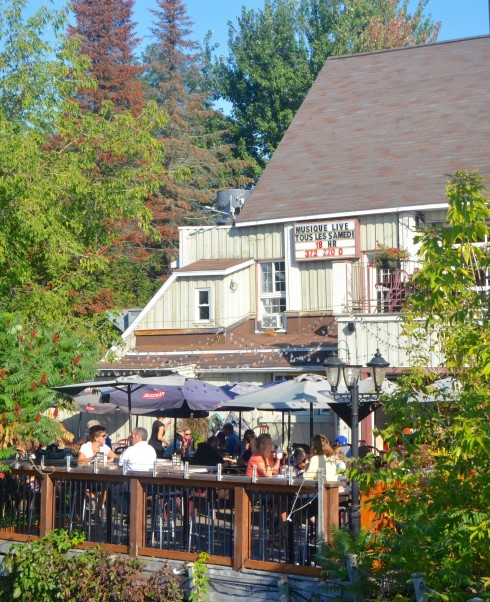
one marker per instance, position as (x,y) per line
(203,304)
(272,291)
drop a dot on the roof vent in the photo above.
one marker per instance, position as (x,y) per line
(231,200)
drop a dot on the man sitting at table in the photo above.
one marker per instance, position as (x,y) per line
(232,439)
(140,455)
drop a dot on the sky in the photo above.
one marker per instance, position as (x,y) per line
(460,18)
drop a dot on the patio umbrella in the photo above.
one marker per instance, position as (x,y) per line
(172,395)
(299,394)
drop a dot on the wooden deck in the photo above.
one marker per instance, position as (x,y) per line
(271,525)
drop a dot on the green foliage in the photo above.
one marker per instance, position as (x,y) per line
(200,579)
(37,569)
(33,358)
(332,560)
(436,485)
(41,571)
(276,53)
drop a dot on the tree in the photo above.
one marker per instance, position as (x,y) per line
(198,160)
(60,210)
(435,495)
(106,33)
(276,53)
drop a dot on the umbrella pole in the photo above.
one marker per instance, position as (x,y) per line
(289,431)
(240,426)
(282,430)
(311,421)
(129,410)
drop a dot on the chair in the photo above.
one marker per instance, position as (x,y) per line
(261,429)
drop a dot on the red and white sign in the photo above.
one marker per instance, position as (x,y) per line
(154,395)
(326,240)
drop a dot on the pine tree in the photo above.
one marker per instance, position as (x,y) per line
(107,37)
(197,159)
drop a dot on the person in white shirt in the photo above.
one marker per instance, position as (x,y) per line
(140,455)
(97,444)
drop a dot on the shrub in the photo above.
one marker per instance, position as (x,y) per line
(40,571)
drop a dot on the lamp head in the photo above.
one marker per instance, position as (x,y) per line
(378,366)
(333,368)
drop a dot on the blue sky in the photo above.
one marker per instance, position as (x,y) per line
(460,18)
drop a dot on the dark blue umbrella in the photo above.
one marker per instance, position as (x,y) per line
(173,395)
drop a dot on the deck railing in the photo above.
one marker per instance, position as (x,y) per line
(375,289)
(270,524)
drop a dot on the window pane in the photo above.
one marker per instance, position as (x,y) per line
(266,278)
(203,297)
(204,313)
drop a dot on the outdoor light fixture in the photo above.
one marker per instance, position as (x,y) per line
(378,366)
(334,366)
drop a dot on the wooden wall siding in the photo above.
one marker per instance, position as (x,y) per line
(382,228)
(384,333)
(176,309)
(316,285)
(259,242)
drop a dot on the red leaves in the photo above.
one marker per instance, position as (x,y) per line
(43,380)
(38,417)
(63,371)
(77,359)
(2,374)
(55,413)
(17,409)
(56,338)
(33,385)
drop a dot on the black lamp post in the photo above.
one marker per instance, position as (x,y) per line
(334,366)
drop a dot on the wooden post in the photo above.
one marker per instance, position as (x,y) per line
(46,509)
(420,588)
(137,516)
(242,533)
(330,497)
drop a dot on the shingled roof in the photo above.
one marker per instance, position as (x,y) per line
(378,131)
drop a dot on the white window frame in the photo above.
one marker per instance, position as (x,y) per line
(274,295)
(200,305)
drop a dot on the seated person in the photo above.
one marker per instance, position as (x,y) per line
(246,445)
(232,439)
(175,446)
(140,455)
(96,444)
(187,442)
(299,461)
(263,458)
(207,453)
(322,456)
(221,442)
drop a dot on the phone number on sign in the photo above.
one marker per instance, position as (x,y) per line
(330,252)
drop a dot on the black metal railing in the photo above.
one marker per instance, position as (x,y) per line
(268,523)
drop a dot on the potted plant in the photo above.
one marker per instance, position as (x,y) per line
(389,258)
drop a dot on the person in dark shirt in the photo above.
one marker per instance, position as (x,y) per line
(157,439)
(232,439)
(207,453)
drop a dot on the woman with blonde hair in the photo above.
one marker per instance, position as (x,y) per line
(321,456)
(267,464)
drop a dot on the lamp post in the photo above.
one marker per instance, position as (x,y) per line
(334,366)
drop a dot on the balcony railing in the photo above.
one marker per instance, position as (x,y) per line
(272,524)
(372,289)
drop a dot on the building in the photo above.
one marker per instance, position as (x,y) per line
(291,275)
